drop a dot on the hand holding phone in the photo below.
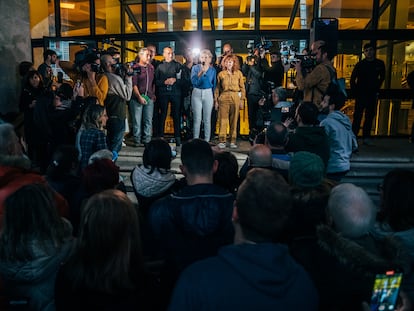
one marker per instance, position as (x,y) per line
(385,291)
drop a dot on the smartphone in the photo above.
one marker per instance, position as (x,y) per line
(285,110)
(385,291)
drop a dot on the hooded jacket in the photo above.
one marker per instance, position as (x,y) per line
(312,139)
(35,279)
(246,277)
(342,141)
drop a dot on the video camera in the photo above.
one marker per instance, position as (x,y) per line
(262,45)
(87,56)
(289,55)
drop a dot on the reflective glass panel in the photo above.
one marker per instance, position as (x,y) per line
(133,18)
(229,15)
(169,15)
(42,18)
(352,14)
(74,17)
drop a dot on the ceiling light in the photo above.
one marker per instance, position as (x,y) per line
(67,5)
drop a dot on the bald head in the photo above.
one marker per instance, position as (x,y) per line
(260,156)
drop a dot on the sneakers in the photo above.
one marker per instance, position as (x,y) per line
(221,145)
(233,146)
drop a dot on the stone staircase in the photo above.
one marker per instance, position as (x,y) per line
(368,167)
(129,157)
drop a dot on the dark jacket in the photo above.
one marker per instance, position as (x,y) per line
(344,269)
(192,224)
(312,139)
(254,79)
(243,277)
(188,226)
(167,70)
(35,279)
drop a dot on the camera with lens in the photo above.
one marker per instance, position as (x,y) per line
(307,61)
(87,56)
(262,45)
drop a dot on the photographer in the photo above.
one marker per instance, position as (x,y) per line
(315,82)
(254,85)
(274,108)
(94,82)
(119,92)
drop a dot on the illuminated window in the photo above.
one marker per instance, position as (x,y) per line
(42,18)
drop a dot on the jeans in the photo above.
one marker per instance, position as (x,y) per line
(369,104)
(115,127)
(202,104)
(141,116)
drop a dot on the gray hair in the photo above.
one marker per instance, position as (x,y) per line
(8,137)
(206,52)
(352,210)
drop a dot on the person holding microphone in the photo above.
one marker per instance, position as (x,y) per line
(203,78)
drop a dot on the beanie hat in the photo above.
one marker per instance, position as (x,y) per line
(306,169)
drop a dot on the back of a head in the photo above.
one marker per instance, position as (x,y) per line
(308,112)
(108,222)
(8,139)
(281,93)
(263,205)
(336,97)
(260,156)
(64,159)
(101,175)
(109,243)
(197,156)
(30,214)
(306,170)
(100,154)
(92,115)
(227,174)
(276,134)
(157,154)
(351,209)
(398,199)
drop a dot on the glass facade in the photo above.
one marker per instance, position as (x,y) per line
(66,25)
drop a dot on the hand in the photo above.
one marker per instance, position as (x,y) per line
(32,104)
(288,122)
(142,100)
(261,101)
(298,66)
(241,105)
(216,105)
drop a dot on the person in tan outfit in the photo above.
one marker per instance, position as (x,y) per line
(228,98)
(315,83)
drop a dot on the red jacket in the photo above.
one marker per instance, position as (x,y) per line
(14,174)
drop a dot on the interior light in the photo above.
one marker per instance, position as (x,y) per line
(67,5)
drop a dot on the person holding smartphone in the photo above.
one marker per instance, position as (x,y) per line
(203,78)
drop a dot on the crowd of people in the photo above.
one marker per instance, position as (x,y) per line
(257,237)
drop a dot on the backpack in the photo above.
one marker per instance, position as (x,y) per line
(339,84)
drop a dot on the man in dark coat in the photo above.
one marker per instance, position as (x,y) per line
(256,273)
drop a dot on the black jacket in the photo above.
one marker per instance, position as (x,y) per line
(169,70)
(312,139)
